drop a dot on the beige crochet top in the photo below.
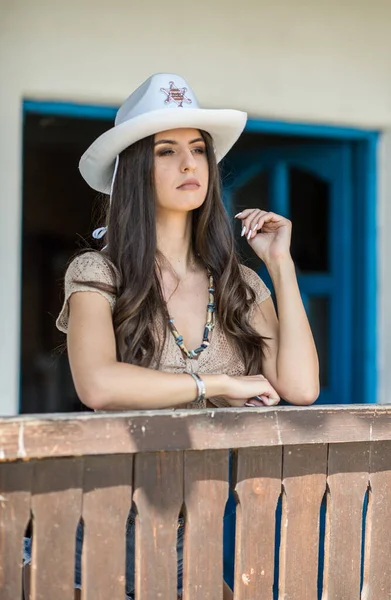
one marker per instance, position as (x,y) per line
(219,357)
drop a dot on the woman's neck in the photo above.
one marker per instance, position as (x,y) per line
(174,242)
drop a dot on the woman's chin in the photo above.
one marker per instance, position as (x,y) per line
(185,204)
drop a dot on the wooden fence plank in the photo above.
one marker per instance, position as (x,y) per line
(304,481)
(258,486)
(206,493)
(347,479)
(107,500)
(15,486)
(377,571)
(56,506)
(158,496)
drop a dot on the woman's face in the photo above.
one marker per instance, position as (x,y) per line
(181,169)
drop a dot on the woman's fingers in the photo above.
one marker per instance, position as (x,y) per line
(249,219)
(255,390)
(253,219)
(268,394)
(270,400)
(262,400)
(252,403)
(267,397)
(255,223)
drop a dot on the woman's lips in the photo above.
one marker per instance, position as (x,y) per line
(189,184)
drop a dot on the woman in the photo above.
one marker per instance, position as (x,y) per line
(135,313)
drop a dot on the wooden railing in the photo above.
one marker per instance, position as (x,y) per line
(59,469)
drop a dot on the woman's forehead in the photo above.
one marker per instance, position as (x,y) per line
(180,134)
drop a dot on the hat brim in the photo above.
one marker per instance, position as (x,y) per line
(97,163)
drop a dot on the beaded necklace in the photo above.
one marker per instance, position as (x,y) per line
(210,323)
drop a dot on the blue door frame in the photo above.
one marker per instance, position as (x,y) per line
(364,148)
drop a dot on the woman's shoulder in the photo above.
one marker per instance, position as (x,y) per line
(88,272)
(252,278)
(91,266)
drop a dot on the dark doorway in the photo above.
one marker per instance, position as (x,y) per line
(59,213)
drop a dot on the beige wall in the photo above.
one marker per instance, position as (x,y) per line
(325,61)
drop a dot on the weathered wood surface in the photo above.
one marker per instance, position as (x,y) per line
(15,491)
(158,498)
(304,482)
(78,434)
(257,479)
(348,467)
(56,503)
(107,494)
(205,496)
(377,571)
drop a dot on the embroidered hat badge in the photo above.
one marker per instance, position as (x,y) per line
(175,94)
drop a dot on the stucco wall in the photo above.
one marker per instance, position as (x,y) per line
(325,61)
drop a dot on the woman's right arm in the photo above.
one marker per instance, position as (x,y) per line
(103,383)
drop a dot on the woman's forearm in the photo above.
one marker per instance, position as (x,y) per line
(297,366)
(120,386)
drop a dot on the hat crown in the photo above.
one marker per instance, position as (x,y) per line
(160,91)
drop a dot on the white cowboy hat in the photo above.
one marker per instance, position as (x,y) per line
(164,101)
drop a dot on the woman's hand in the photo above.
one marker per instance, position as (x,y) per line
(268,234)
(250,390)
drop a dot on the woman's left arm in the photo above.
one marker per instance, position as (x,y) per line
(291,361)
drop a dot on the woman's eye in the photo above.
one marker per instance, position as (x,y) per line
(199,150)
(165,152)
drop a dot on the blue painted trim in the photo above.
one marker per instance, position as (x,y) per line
(316,284)
(91,111)
(371,268)
(280,189)
(342,256)
(309,130)
(364,333)
(70,109)
(368,162)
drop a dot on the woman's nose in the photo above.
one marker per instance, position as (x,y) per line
(189,163)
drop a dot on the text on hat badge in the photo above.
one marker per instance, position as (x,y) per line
(175,94)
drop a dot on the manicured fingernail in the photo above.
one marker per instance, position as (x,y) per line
(238,215)
(255,227)
(249,234)
(243,231)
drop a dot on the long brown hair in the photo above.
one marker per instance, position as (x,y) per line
(132,255)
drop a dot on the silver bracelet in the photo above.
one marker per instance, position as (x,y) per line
(201,390)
